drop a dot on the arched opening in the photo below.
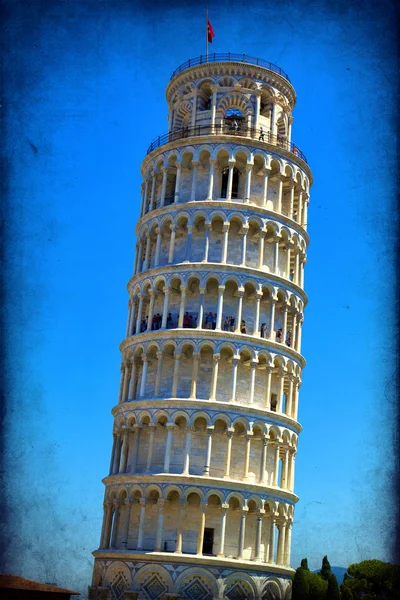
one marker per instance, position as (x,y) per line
(192,524)
(234,120)
(235,183)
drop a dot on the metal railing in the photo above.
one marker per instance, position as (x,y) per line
(230,57)
(227,129)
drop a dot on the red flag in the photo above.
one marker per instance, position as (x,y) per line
(210,32)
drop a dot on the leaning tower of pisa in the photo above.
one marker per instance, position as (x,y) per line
(199,500)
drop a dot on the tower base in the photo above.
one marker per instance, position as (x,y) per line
(165,576)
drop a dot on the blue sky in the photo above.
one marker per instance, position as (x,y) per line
(84,95)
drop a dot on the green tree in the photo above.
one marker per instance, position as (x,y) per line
(325,571)
(332,592)
(317,586)
(373,579)
(300,587)
(346,594)
(304,564)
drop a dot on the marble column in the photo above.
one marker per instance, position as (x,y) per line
(261,241)
(214,378)
(144,377)
(256,331)
(201,309)
(265,186)
(151,310)
(172,244)
(160,525)
(271,540)
(229,435)
(257,556)
(164,171)
(279,195)
(152,430)
(230,180)
(276,465)
(235,363)
(221,289)
(142,519)
(240,294)
(224,253)
(200,536)
(158,374)
(126,382)
(242,531)
(211,180)
(253,367)
(249,435)
(247,192)
(281,542)
(139,313)
(186,456)
(176,375)
(158,248)
(135,453)
(267,397)
(115,526)
(206,241)
(188,250)
(180,528)
(117,454)
(124,452)
(182,306)
(166,291)
(147,255)
(206,470)
(243,232)
(224,509)
(128,505)
(276,255)
(177,182)
(195,165)
(168,445)
(195,373)
(263,462)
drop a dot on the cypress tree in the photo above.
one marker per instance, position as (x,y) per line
(325,571)
(333,589)
(304,564)
(300,587)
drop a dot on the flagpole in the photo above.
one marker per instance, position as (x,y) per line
(206,33)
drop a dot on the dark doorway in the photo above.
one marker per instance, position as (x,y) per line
(208,540)
(235,182)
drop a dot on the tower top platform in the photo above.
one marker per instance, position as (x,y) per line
(230,57)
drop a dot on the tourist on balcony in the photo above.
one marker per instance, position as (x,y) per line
(232,323)
(186,320)
(208,321)
(214,320)
(263,330)
(226,324)
(261,137)
(288,340)
(279,335)
(169,321)
(243,326)
(291,274)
